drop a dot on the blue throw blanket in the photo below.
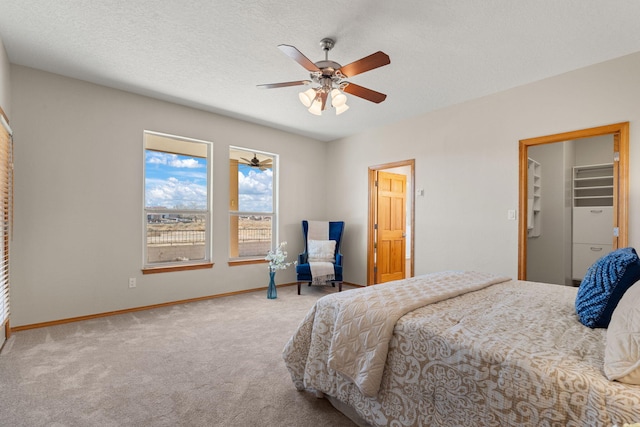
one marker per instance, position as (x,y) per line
(604,284)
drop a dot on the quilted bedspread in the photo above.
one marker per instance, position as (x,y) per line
(510,354)
(362,321)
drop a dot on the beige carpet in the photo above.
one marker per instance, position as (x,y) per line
(211,363)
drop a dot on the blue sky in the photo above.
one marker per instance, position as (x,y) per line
(176,181)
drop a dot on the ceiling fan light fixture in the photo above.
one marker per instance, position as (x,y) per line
(341,109)
(316,107)
(330,77)
(307,97)
(338,98)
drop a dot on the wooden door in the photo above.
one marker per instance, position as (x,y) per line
(391,226)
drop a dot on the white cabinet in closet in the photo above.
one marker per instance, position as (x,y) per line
(592,216)
(534,198)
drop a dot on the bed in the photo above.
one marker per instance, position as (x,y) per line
(459,349)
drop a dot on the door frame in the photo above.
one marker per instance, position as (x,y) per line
(372,213)
(620,132)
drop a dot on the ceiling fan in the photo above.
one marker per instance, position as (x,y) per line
(255,163)
(330,76)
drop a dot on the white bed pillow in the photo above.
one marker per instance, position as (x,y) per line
(322,250)
(622,349)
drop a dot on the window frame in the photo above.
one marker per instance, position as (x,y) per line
(255,259)
(6,230)
(177,265)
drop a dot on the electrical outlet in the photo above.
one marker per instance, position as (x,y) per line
(132,282)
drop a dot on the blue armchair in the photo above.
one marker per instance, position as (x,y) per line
(303,268)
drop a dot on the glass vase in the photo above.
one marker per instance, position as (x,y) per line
(272,293)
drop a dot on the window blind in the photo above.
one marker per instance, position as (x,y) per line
(6,208)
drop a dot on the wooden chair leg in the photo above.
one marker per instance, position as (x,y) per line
(340,287)
(299,288)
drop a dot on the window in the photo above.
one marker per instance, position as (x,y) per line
(6,208)
(252,203)
(177,212)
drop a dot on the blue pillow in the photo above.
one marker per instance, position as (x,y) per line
(604,284)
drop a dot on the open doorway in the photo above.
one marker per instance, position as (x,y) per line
(390,244)
(591,188)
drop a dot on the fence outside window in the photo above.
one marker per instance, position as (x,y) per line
(194,237)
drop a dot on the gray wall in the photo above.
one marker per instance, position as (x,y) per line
(593,151)
(467,162)
(79,197)
(4,80)
(546,255)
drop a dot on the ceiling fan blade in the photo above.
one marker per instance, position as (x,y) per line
(285,84)
(367,63)
(363,92)
(266,161)
(297,56)
(323,96)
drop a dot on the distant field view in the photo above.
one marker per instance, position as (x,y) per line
(182,238)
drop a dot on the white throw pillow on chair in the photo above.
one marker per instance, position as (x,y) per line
(322,250)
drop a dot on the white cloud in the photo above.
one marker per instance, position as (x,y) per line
(174,193)
(172,160)
(184,163)
(156,158)
(256,191)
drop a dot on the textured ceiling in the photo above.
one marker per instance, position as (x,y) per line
(211,54)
